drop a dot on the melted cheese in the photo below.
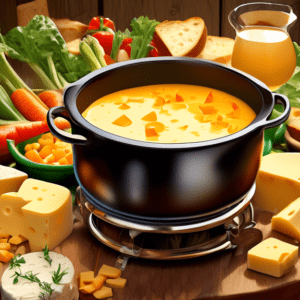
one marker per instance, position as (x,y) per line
(170,113)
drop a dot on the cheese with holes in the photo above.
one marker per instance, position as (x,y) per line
(288,220)
(10,179)
(40,211)
(278,181)
(35,262)
(272,257)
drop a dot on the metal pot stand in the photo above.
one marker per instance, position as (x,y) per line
(219,232)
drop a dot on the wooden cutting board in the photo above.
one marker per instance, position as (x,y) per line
(222,275)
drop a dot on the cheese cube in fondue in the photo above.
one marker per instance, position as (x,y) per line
(170,113)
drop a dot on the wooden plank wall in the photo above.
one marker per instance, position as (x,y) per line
(214,12)
(123,11)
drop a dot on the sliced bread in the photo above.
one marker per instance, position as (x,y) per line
(181,38)
(218,49)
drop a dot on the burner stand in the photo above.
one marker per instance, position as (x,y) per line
(169,241)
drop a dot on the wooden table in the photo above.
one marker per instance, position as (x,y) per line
(222,275)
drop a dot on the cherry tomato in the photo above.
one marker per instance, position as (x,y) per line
(126,41)
(109,23)
(105,39)
(108,59)
(94,24)
(153,53)
(127,48)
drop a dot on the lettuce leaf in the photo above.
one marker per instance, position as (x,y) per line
(291,89)
(141,34)
(40,42)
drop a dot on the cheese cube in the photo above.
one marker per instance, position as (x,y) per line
(16,240)
(278,181)
(86,278)
(105,292)
(116,283)
(41,212)
(288,220)
(109,272)
(10,179)
(272,257)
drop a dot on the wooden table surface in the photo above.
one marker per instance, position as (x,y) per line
(222,275)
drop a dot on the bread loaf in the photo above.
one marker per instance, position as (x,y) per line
(181,38)
(218,49)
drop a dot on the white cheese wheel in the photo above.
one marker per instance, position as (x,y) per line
(27,290)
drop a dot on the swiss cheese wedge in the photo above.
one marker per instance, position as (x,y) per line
(278,181)
(288,220)
(10,179)
(40,212)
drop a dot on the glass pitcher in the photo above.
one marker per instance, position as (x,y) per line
(263,47)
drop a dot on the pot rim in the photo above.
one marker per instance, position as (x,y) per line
(73,90)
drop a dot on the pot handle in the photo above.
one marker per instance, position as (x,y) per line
(61,111)
(279,99)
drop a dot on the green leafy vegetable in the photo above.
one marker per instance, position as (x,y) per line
(41,46)
(142,34)
(57,276)
(117,41)
(46,255)
(274,137)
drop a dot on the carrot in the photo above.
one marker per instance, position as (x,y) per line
(20,132)
(51,98)
(28,105)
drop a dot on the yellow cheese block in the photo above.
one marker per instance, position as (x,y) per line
(278,181)
(41,212)
(272,257)
(10,179)
(109,272)
(86,278)
(288,220)
(105,292)
(116,283)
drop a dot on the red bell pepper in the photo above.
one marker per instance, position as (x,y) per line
(94,24)
(105,40)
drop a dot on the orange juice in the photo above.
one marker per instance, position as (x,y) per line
(266,53)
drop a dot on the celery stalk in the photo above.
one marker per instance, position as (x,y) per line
(45,79)
(62,80)
(7,71)
(53,73)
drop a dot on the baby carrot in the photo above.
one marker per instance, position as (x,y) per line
(51,98)
(28,105)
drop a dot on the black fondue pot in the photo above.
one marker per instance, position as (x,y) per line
(161,182)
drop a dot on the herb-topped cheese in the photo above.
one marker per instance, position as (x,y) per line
(39,275)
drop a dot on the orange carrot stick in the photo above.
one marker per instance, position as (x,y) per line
(20,132)
(51,98)
(28,105)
